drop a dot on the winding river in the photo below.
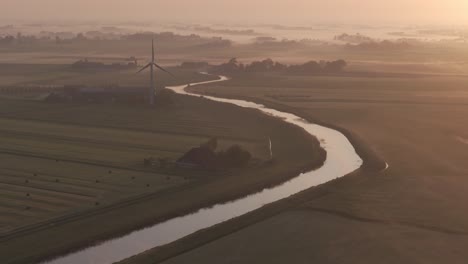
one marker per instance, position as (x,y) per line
(341,160)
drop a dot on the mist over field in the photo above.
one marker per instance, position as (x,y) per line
(287,30)
(417,48)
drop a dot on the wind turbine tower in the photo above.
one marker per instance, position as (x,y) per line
(151,65)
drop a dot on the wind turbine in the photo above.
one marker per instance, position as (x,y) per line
(151,65)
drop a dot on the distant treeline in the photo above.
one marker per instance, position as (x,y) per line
(384,45)
(96,36)
(356,38)
(233,67)
(130,63)
(18,39)
(226,31)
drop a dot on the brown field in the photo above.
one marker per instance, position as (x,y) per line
(414,212)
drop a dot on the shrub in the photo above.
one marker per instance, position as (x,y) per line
(234,157)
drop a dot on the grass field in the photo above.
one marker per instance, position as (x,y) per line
(69,170)
(50,169)
(59,159)
(12,74)
(413,212)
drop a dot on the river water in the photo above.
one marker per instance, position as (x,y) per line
(341,160)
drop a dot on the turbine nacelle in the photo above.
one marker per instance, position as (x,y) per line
(151,65)
(157,66)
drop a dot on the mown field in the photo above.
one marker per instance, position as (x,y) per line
(59,159)
(69,170)
(51,169)
(413,212)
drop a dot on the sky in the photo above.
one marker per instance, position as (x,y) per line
(242,11)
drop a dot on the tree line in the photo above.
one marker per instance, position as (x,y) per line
(268,65)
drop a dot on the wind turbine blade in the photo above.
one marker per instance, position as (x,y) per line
(142,69)
(164,70)
(152,49)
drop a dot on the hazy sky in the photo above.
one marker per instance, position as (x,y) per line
(268,11)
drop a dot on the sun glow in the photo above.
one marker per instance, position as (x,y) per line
(279,11)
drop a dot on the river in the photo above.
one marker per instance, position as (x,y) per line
(341,160)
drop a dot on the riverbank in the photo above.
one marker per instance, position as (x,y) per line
(299,153)
(372,163)
(372,160)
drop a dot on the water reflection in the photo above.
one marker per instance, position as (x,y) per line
(341,160)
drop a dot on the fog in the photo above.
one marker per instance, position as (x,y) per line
(242,11)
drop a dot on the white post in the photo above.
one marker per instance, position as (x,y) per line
(271,149)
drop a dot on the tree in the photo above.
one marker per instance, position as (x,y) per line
(234,157)
(335,66)
(80,36)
